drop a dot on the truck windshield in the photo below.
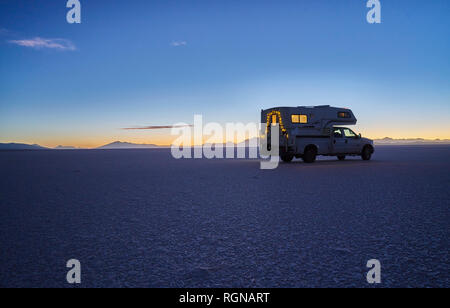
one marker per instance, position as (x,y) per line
(349,133)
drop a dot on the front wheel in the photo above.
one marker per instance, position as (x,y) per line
(310,155)
(341,157)
(366,153)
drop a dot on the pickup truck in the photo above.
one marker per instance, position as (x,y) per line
(306,132)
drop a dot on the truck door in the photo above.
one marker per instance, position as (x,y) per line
(352,141)
(339,145)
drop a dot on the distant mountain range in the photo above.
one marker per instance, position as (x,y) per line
(20,146)
(414,141)
(117,145)
(62,147)
(126,145)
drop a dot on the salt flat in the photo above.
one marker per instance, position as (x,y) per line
(139,218)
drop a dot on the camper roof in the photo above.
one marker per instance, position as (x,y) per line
(317,116)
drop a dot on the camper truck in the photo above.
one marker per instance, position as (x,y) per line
(306,132)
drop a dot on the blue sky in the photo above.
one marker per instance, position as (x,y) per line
(132,63)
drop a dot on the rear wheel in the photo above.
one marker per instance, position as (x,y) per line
(287,158)
(366,153)
(341,157)
(310,155)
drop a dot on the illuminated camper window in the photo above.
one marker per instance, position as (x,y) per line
(299,118)
(344,115)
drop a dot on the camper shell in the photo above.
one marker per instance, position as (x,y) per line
(306,132)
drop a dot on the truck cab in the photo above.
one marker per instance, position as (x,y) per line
(306,132)
(347,142)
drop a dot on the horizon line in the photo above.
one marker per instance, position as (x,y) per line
(386,139)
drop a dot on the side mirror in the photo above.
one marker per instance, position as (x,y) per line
(360,136)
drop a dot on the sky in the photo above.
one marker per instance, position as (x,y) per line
(160,62)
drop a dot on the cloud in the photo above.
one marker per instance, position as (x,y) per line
(158,127)
(178,43)
(39,43)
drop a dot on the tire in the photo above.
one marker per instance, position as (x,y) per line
(310,155)
(341,157)
(366,153)
(287,158)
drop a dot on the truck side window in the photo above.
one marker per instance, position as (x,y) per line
(295,118)
(337,133)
